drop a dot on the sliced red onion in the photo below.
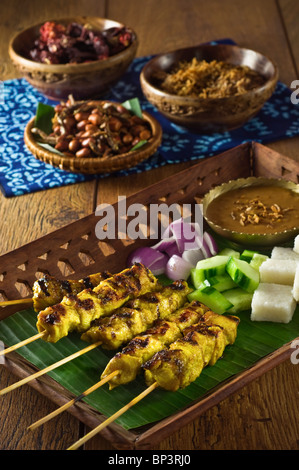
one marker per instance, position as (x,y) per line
(184,233)
(211,244)
(177,268)
(152,259)
(193,256)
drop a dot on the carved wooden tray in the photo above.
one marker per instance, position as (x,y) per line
(71,252)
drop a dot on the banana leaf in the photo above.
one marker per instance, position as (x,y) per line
(254,341)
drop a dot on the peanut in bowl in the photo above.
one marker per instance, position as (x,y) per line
(94,137)
(254,211)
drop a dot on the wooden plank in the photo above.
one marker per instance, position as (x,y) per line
(289,10)
(25,218)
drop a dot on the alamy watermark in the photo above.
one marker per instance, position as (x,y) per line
(295,94)
(141,222)
(295,354)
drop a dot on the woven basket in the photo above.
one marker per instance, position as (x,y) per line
(96,165)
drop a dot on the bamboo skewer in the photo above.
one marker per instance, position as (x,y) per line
(49,368)
(22,343)
(112,418)
(73,401)
(5,303)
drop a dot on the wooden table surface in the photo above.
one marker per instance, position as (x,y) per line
(262,415)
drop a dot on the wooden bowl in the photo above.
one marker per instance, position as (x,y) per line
(58,81)
(209,114)
(96,165)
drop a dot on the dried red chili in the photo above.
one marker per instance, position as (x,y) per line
(76,43)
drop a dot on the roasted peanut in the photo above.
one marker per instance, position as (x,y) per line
(127,138)
(81,124)
(102,129)
(83,153)
(95,119)
(74,145)
(80,116)
(145,134)
(62,145)
(86,142)
(115,124)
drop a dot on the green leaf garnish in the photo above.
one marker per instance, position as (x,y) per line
(43,119)
(51,148)
(133,105)
(139,144)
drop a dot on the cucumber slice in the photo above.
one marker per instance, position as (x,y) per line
(210,267)
(212,298)
(229,252)
(247,255)
(240,299)
(196,277)
(221,283)
(243,274)
(258,260)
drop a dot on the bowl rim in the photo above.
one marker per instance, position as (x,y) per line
(192,100)
(121,161)
(251,236)
(69,68)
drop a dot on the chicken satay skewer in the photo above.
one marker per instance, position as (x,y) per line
(112,418)
(48,291)
(21,343)
(143,347)
(48,369)
(202,345)
(6,303)
(72,402)
(75,312)
(167,299)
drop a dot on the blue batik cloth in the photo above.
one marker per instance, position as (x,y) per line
(22,173)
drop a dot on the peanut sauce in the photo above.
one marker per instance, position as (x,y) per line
(256,209)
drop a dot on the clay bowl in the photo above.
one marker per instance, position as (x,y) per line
(209,114)
(58,81)
(95,165)
(240,236)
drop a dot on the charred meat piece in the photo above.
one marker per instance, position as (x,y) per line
(137,315)
(130,360)
(49,291)
(203,344)
(76,312)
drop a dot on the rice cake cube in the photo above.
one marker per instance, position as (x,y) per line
(278,271)
(273,302)
(296,285)
(280,252)
(296,244)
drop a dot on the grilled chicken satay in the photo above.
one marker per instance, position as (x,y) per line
(49,291)
(129,361)
(180,364)
(76,312)
(137,315)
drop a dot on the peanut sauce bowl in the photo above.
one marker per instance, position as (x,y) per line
(247,220)
(209,114)
(89,79)
(94,164)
